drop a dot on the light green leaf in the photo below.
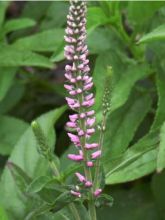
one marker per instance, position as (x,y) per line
(12,97)
(96,17)
(44,41)
(123,88)
(55,15)
(142,166)
(110,58)
(3,214)
(26,156)
(11,130)
(161,150)
(123,123)
(6,79)
(138,8)
(38,183)
(155,35)
(16,24)
(139,160)
(11,57)
(3,8)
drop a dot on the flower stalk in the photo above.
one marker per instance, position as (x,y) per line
(80,100)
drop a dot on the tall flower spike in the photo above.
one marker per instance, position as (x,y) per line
(78,85)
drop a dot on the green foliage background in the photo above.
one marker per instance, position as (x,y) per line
(130,37)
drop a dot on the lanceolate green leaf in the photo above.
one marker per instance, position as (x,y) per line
(6,79)
(137,161)
(26,156)
(16,24)
(12,57)
(123,88)
(48,40)
(138,168)
(11,130)
(123,123)
(3,7)
(161,150)
(102,62)
(156,34)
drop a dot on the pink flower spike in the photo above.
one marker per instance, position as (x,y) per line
(75,157)
(80,177)
(88,184)
(96,154)
(97,192)
(77,194)
(73,117)
(90,164)
(91,146)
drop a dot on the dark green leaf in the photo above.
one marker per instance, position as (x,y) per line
(157,184)
(26,156)
(44,41)
(157,34)
(123,123)
(11,57)
(3,7)
(12,97)
(11,129)
(123,88)
(104,200)
(137,161)
(6,80)
(16,24)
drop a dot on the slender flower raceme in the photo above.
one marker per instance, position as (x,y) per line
(78,85)
(80,98)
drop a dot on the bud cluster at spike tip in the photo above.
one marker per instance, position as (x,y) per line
(78,84)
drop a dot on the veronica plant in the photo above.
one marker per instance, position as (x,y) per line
(80,100)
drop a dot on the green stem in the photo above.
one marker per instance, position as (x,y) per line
(92,210)
(54,168)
